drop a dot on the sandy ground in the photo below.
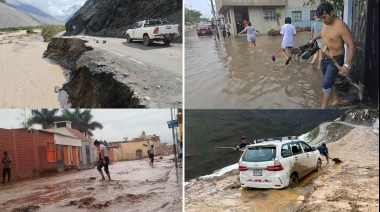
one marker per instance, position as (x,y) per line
(350,186)
(27,80)
(135,186)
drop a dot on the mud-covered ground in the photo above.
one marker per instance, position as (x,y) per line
(135,186)
(349,186)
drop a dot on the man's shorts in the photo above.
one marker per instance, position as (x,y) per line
(330,72)
(324,154)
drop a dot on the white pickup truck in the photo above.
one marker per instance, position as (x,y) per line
(152,30)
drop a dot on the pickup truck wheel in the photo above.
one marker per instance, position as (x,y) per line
(293,181)
(167,42)
(147,41)
(129,40)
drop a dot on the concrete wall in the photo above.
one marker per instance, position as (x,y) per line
(116,154)
(28,152)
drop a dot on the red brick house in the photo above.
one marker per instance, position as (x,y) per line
(32,152)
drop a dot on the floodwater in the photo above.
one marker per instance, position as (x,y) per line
(135,185)
(249,199)
(227,75)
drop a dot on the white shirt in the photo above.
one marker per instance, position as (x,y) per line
(151,151)
(288,31)
(104,148)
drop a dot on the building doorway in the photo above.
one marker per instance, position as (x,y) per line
(241,18)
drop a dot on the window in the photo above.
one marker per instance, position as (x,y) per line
(313,13)
(50,152)
(286,151)
(296,16)
(306,147)
(269,14)
(296,148)
(259,154)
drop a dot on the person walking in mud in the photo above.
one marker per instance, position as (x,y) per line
(243,143)
(7,160)
(251,37)
(334,34)
(323,150)
(103,159)
(287,31)
(228,30)
(151,155)
(316,28)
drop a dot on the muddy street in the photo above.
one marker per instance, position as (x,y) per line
(27,80)
(135,186)
(348,186)
(228,75)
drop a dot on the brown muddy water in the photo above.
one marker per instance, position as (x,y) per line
(135,186)
(227,75)
(207,195)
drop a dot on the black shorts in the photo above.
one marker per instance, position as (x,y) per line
(151,156)
(324,154)
(100,165)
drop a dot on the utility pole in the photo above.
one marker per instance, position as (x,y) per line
(175,148)
(216,23)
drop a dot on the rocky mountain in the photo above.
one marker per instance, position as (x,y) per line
(70,12)
(113,17)
(12,17)
(19,14)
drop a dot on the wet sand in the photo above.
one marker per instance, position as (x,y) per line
(27,80)
(135,186)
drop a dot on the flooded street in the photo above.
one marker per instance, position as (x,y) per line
(135,186)
(229,76)
(27,80)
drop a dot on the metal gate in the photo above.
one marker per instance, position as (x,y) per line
(365,33)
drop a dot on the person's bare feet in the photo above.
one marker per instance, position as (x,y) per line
(102,179)
(335,102)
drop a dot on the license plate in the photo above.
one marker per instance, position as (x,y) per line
(257,173)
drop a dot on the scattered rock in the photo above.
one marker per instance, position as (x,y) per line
(146,88)
(146,98)
(92,178)
(125,75)
(57,89)
(158,87)
(90,189)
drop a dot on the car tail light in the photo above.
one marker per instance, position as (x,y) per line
(277,185)
(276,166)
(155,30)
(179,28)
(243,168)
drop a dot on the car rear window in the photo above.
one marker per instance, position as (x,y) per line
(259,154)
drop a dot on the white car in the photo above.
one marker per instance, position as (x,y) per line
(277,163)
(152,30)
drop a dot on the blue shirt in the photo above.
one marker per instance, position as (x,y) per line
(324,150)
(243,145)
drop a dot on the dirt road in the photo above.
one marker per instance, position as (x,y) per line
(350,186)
(27,80)
(136,186)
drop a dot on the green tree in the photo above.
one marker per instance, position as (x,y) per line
(44,117)
(48,31)
(278,16)
(337,4)
(192,16)
(81,120)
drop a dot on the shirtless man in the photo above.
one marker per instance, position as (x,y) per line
(334,35)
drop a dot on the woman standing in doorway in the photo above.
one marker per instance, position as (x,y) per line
(251,37)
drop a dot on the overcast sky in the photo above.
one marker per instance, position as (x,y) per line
(52,7)
(117,123)
(204,6)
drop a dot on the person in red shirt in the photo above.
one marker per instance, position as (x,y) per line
(245,22)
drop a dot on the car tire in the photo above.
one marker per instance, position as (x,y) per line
(129,40)
(147,41)
(199,35)
(293,181)
(167,42)
(318,166)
